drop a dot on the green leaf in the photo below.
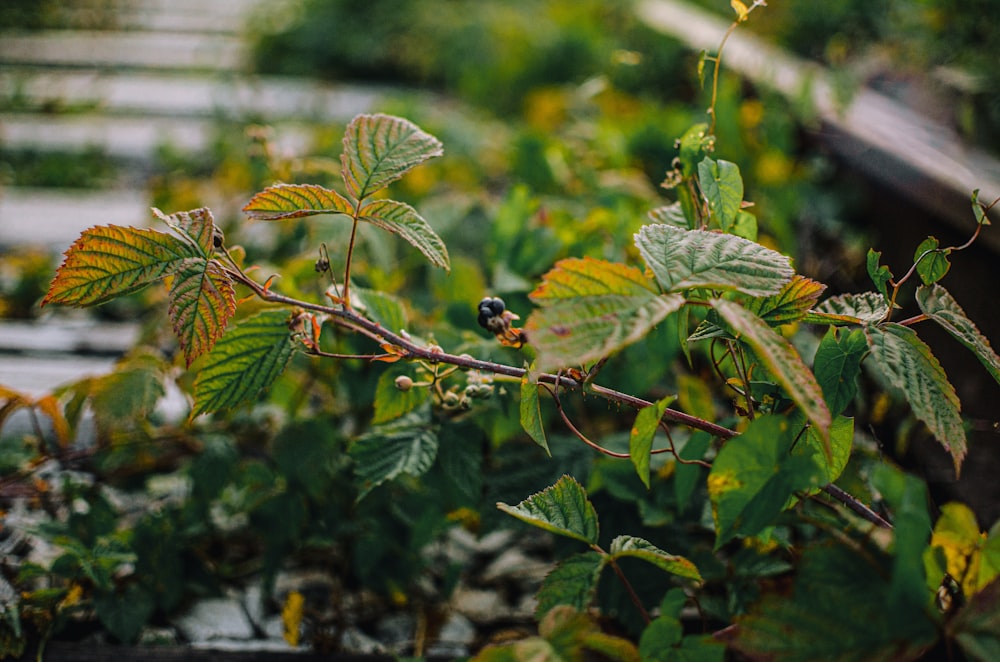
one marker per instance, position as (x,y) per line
(284,201)
(790,304)
(695,144)
(722,186)
(837,366)
(865,308)
(745,226)
(879,274)
(125,615)
(639,548)
(379,149)
(640,442)
(781,361)
(406,446)
(112,261)
(390,401)
(202,301)
(684,259)
(590,309)
(940,306)
(907,499)
(754,475)
(841,443)
(402,219)
(910,366)
(669,215)
(932,262)
(562,508)
(127,394)
(838,610)
(198,225)
(572,582)
(977,626)
(531,413)
(688,476)
(380,307)
(979,210)
(244,362)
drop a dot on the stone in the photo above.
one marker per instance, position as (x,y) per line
(479,606)
(355,641)
(396,632)
(513,565)
(455,638)
(215,619)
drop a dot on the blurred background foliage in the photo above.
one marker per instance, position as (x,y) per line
(559,121)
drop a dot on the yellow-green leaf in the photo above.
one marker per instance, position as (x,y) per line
(867,307)
(722,186)
(932,262)
(111,261)
(402,219)
(202,301)
(740,9)
(379,149)
(198,225)
(296,200)
(790,304)
(592,308)
(643,549)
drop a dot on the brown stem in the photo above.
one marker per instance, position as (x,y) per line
(407,349)
(628,587)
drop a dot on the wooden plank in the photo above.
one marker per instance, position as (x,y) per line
(149,50)
(175,94)
(923,160)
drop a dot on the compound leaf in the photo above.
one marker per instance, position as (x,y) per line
(754,475)
(572,582)
(402,219)
(202,301)
(592,308)
(684,259)
(408,445)
(283,201)
(640,442)
(244,362)
(379,149)
(111,261)
(781,360)
(911,367)
(640,548)
(940,306)
(562,508)
(722,186)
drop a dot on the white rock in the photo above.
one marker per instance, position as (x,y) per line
(215,618)
(455,638)
(514,565)
(478,605)
(355,641)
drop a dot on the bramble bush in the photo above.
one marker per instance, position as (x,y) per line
(756,522)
